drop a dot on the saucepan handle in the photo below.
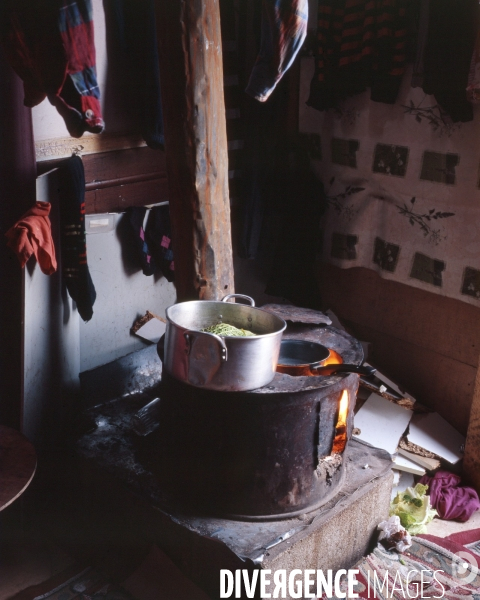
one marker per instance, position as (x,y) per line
(190,336)
(333,369)
(251,301)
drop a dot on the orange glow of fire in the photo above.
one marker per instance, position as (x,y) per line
(334,358)
(340,439)
(343,410)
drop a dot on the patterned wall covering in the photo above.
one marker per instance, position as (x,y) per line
(403,189)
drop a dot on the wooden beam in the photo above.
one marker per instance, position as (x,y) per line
(471,460)
(190,50)
(58,148)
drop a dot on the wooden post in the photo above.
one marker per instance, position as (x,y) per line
(190,50)
(471,460)
(17,194)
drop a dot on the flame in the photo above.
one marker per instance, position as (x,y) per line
(340,439)
(343,409)
(334,358)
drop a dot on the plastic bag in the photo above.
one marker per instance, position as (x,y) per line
(393,535)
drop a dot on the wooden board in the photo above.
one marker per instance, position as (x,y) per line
(47,150)
(118,179)
(471,461)
(425,342)
(117,198)
(444,325)
(442,383)
(119,164)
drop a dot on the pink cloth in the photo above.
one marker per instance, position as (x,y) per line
(452,501)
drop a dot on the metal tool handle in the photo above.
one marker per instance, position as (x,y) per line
(382,389)
(344,368)
(251,301)
(191,334)
(146,419)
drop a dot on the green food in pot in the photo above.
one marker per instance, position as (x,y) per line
(226,330)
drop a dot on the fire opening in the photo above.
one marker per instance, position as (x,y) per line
(340,439)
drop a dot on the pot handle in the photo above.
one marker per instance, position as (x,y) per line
(190,335)
(251,301)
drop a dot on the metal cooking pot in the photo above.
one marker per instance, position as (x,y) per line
(301,357)
(222,363)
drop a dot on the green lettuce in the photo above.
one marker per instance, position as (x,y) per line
(413,508)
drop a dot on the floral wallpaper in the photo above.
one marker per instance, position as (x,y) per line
(403,189)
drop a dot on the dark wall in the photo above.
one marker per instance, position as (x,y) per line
(17,193)
(425,342)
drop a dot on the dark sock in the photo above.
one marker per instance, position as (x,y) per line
(136,216)
(159,236)
(74,249)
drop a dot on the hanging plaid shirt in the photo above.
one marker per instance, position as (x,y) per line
(284,28)
(361,43)
(50,45)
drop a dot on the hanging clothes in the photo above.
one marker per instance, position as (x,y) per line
(50,45)
(262,124)
(300,201)
(32,235)
(153,245)
(360,44)
(159,238)
(452,29)
(233,95)
(75,271)
(132,26)
(284,28)
(263,128)
(136,217)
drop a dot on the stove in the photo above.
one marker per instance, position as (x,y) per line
(303,512)
(275,452)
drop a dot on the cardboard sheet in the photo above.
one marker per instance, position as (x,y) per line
(152,330)
(382,423)
(405,464)
(430,464)
(432,432)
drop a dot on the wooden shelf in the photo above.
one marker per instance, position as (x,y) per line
(118,179)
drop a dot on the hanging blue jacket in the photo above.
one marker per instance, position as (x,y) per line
(284,28)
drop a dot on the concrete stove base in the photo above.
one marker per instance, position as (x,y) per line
(342,532)
(332,537)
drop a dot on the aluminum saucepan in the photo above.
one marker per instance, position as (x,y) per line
(215,362)
(301,357)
